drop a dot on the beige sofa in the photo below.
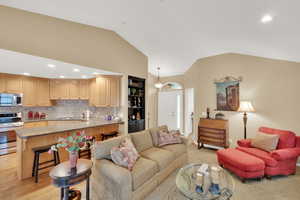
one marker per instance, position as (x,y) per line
(112,182)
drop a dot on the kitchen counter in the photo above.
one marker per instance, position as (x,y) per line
(51,129)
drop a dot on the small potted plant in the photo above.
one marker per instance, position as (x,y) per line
(72,144)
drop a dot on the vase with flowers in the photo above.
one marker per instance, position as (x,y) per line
(73,144)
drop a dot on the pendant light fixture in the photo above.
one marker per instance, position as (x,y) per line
(158,84)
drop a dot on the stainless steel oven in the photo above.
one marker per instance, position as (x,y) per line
(10,99)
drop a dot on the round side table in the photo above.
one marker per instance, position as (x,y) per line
(64,178)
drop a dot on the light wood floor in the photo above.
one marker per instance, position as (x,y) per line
(13,189)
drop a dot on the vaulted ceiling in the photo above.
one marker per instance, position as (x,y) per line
(175,33)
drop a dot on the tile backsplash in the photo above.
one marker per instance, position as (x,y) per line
(65,108)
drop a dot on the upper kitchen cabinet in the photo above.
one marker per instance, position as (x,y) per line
(29,91)
(114,91)
(105,91)
(36,92)
(84,89)
(74,89)
(2,83)
(43,92)
(59,89)
(13,83)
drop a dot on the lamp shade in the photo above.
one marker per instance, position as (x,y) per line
(246,106)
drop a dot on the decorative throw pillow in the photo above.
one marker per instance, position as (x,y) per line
(125,155)
(172,137)
(267,142)
(154,133)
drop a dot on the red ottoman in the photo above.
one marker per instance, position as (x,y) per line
(242,164)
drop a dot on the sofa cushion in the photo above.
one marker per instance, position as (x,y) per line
(142,140)
(143,170)
(102,148)
(177,149)
(265,156)
(161,156)
(154,133)
(287,139)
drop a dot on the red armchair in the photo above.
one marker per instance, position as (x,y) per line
(283,160)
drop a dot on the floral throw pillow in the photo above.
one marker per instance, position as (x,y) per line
(125,155)
(165,138)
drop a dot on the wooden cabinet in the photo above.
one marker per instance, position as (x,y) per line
(2,83)
(36,92)
(105,91)
(43,92)
(114,91)
(29,91)
(59,89)
(13,83)
(213,132)
(84,89)
(74,89)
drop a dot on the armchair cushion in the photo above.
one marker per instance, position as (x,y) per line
(286,154)
(287,139)
(244,143)
(263,155)
(298,141)
(266,142)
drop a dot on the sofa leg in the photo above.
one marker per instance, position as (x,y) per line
(259,178)
(269,177)
(243,180)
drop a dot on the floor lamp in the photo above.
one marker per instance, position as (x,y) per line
(245,106)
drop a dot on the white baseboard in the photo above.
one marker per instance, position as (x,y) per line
(298,164)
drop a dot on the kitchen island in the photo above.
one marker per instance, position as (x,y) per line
(48,134)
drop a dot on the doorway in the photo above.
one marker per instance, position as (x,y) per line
(170,109)
(189,111)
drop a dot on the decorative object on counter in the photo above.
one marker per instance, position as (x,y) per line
(85,115)
(205,182)
(62,178)
(245,107)
(219,115)
(30,115)
(43,116)
(36,115)
(228,95)
(207,113)
(72,144)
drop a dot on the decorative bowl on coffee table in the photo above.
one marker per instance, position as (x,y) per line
(205,182)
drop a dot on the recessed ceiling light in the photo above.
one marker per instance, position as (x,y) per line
(266,18)
(51,65)
(26,74)
(61,76)
(83,76)
(76,70)
(95,73)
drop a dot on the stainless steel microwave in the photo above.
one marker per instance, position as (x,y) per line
(9,99)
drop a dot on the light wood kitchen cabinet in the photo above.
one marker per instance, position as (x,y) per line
(29,91)
(114,91)
(105,91)
(59,89)
(2,83)
(13,83)
(74,89)
(84,89)
(43,92)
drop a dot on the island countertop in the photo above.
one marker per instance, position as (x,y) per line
(25,133)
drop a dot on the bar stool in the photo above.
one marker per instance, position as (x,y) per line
(36,162)
(86,153)
(108,135)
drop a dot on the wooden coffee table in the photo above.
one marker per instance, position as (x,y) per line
(64,178)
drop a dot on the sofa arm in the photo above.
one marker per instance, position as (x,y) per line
(298,141)
(244,143)
(285,154)
(110,181)
(185,140)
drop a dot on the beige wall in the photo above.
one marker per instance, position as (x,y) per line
(271,85)
(70,42)
(152,101)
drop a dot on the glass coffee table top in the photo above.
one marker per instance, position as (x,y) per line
(205,182)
